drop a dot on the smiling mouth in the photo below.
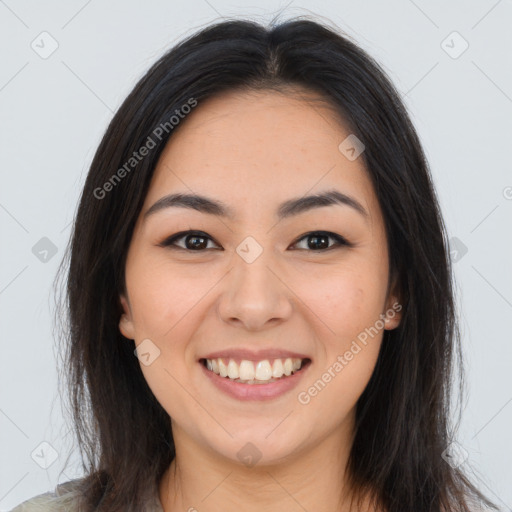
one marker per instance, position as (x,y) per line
(255,372)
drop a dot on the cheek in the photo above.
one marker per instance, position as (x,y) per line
(346,366)
(161,298)
(348,305)
(164,305)
(167,307)
(346,301)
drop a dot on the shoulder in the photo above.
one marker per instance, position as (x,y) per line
(65,498)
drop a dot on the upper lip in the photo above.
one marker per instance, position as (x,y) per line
(255,355)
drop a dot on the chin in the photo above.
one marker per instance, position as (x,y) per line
(254,449)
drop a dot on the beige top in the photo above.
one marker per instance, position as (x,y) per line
(64,499)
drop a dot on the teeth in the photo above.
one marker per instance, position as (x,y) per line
(288,365)
(223,369)
(277,369)
(263,370)
(233,370)
(247,371)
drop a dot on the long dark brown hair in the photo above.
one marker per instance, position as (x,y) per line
(402,420)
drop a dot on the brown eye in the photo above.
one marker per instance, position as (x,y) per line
(194,241)
(319,241)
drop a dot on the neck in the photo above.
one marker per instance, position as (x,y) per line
(310,479)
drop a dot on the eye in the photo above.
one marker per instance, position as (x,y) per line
(198,241)
(194,241)
(319,241)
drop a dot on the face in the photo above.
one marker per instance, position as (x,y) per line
(260,282)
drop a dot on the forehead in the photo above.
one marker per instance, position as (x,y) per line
(251,148)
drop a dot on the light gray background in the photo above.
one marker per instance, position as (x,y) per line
(53,112)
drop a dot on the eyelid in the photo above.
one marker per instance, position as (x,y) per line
(170,241)
(341,241)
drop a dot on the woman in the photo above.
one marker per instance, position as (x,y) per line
(260,229)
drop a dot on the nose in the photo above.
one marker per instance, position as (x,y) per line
(254,295)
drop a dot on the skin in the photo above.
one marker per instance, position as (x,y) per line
(252,151)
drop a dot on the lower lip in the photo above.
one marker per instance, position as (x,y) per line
(243,391)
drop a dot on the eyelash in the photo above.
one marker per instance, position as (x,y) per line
(170,241)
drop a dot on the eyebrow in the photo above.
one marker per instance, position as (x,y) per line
(287,209)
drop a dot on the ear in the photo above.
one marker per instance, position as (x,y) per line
(126,321)
(393,312)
